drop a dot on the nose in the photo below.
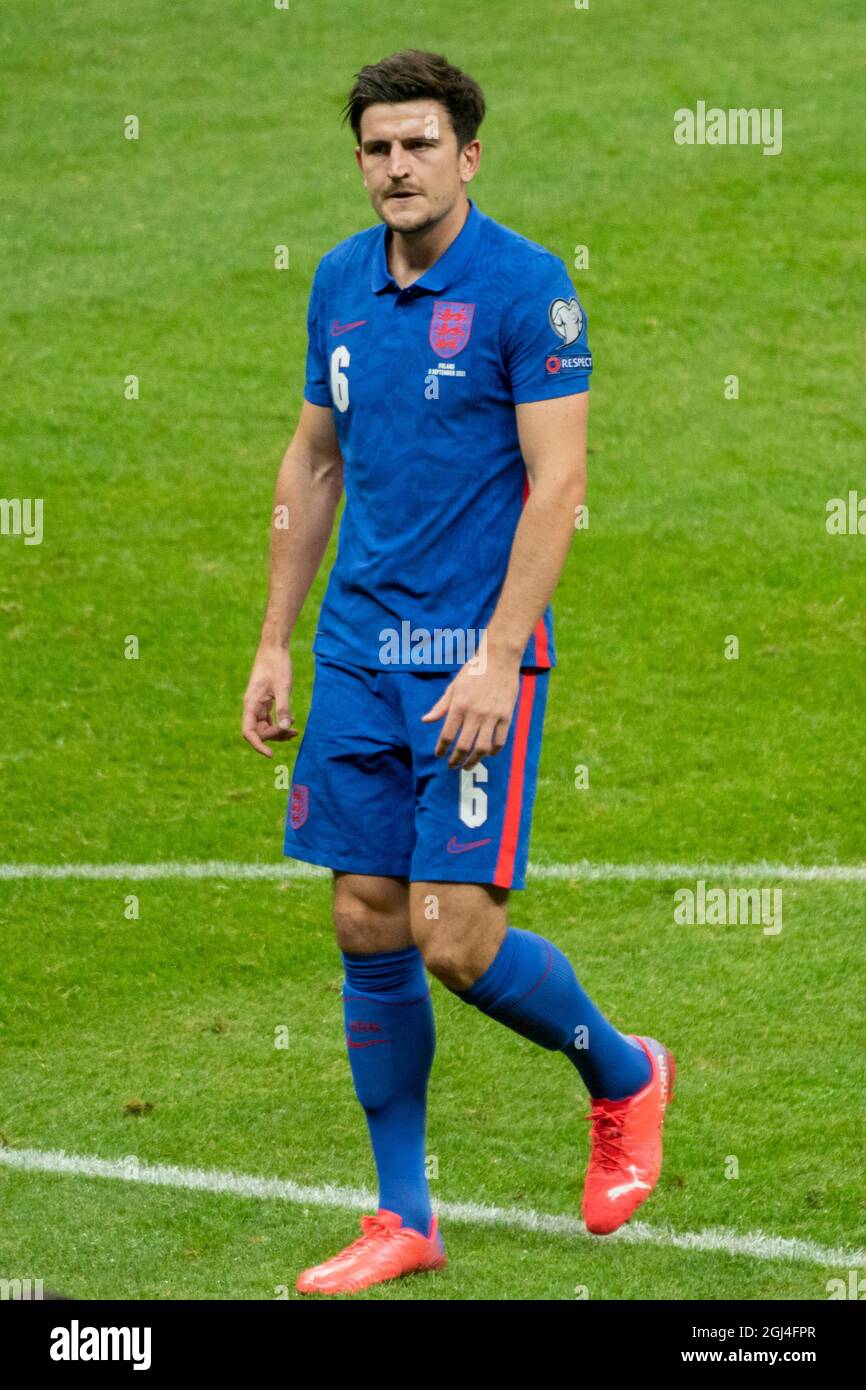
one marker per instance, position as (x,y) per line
(398,166)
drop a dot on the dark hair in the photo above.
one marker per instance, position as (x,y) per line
(412,74)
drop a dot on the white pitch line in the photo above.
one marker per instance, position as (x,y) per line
(167,869)
(582,871)
(756,1244)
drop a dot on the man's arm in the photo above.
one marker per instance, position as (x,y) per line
(479,703)
(306,497)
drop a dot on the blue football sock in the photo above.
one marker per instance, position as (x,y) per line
(390,1037)
(531,988)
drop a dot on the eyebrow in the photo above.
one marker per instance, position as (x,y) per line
(408,140)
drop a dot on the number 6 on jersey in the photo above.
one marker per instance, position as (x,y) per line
(473,799)
(340,357)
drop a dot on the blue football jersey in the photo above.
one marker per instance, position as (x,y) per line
(423,382)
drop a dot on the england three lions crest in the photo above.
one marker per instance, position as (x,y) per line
(450,327)
(299,805)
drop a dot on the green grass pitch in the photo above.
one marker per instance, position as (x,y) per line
(707,520)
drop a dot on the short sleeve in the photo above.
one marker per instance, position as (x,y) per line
(316,387)
(544,344)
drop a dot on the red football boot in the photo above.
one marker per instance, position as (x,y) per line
(386,1250)
(626,1146)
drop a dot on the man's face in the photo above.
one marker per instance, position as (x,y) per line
(413,170)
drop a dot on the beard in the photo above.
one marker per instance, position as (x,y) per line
(415,228)
(406,223)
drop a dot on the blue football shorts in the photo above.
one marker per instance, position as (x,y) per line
(368,795)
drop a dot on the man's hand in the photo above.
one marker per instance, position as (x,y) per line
(479,705)
(270,685)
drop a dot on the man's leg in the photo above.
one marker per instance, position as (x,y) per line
(351,808)
(525,982)
(389,1034)
(522,980)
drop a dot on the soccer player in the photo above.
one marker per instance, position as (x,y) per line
(446,390)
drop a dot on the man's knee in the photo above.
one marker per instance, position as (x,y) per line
(370,914)
(360,929)
(458,929)
(452,962)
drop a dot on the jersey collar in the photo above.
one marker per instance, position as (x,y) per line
(443,272)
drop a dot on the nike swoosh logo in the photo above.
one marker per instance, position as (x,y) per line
(454,848)
(338,328)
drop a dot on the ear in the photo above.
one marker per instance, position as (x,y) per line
(471,154)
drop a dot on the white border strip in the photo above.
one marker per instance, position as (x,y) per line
(581,871)
(756,1244)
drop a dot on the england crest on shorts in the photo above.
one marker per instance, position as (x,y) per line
(299,805)
(450,327)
